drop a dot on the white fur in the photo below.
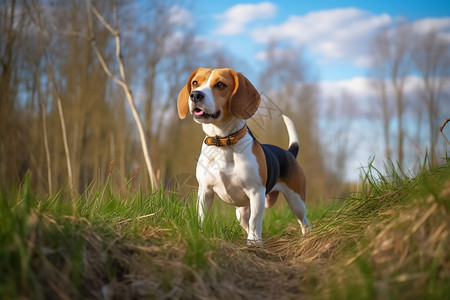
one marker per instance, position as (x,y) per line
(293,137)
(296,204)
(232,173)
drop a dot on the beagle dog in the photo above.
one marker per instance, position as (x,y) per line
(232,163)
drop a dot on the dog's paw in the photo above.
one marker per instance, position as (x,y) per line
(255,243)
(306,229)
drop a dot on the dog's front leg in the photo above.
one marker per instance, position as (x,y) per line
(243,216)
(257,202)
(204,202)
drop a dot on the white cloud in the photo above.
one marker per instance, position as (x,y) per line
(358,87)
(440,25)
(363,87)
(180,16)
(237,17)
(292,54)
(340,34)
(431,24)
(362,91)
(334,34)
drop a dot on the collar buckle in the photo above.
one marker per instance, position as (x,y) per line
(216,141)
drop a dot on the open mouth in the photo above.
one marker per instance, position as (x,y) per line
(200,113)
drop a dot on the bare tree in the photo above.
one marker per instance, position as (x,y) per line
(339,114)
(379,84)
(69,65)
(157,37)
(391,62)
(43,109)
(50,75)
(432,61)
(163,55)
(122,81)
(12,24)
(287,83)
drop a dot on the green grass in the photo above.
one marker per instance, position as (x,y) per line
(389,239)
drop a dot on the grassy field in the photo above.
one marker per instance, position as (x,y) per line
(389,239)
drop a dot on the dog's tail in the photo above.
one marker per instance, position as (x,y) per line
(293,137)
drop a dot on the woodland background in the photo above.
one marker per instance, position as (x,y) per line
(66,121)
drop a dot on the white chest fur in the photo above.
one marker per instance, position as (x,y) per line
(229,171)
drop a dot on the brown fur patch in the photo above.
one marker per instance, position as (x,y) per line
(261,159)
(295,179)
(271,198)
(245,98)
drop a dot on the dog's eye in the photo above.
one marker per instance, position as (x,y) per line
(194,83)
(221,85)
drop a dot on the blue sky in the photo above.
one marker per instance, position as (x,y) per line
(334,37)
(211,17)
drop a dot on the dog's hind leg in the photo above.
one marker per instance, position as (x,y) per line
(271,198)
(297,206)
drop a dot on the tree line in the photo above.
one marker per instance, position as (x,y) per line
(72,70)
(402,54)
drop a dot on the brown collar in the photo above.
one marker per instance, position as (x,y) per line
(228,140)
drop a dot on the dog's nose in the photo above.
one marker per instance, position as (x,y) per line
(197,96)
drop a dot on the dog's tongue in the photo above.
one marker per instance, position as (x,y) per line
(198,112)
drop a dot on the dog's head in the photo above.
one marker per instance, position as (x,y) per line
(212,95)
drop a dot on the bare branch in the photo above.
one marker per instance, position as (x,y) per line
(50,74)
(442,128)
(69,32)
(118,48)
(102,20)
(43,108)
(94,44)
(120,81)
(64,131)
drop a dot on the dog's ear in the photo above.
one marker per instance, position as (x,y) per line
(245,98)
(183,97)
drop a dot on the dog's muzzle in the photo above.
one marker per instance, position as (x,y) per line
(199,112)
(197,96)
